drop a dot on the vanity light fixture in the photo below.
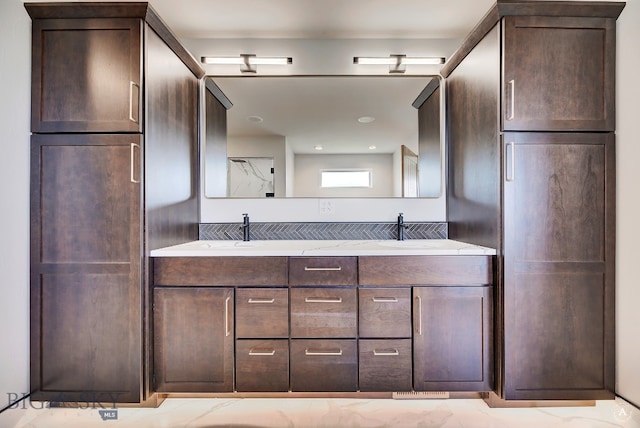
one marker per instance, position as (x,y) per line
(247,62)
(397,63)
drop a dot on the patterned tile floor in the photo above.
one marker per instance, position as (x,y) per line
(329,413)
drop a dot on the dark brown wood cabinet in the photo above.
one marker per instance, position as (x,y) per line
(528,177)
(85,267)
(418,323)
(558,73)
(452,339)
(86,75)
(114,106)
(558,222)
(193,339)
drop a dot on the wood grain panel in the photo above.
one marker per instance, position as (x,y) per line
(426,270)
(324,312)
(384,312)
(193,339)
(323,271)
(262,313)
(232,270)
(337,371)
(385,365)
(262,365)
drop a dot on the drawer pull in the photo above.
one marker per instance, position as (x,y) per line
(227,323)
(419,315)
(321,269)
(332,353)
(262,353)
(385,299)
(252,300)
(323,300)
(386,352)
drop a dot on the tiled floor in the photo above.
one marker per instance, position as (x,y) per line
(330,413)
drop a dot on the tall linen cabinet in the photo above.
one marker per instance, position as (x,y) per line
(114,175)
(531,172)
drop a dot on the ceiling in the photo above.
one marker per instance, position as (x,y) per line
(214,26)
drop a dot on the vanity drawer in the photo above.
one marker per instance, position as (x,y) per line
(385,365)
(425,270)
(262,313)
(324,365)
(384,312)
(323,271)
(262,365)
(222,270)
(323,312)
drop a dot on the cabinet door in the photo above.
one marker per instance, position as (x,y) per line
(559,266)
(193,339)
(86,319)
(86,75)
(452,339)
(558,74)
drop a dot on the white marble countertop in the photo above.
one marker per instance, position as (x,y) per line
(429,247)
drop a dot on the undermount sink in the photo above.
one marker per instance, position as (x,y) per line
(227,244)
(411,244)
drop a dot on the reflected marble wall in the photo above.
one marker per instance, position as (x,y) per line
(250,177)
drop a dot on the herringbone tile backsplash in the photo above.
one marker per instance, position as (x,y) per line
(323,231)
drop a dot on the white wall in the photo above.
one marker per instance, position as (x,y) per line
(308,167)
(628,204)
(15,57)
(14,215)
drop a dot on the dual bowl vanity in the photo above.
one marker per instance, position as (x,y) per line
(351,317)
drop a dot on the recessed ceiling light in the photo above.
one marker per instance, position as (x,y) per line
(255,119)
(318,147)
(366,119)
(372,147)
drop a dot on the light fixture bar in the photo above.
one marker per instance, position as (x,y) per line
(247,62)
(397,63)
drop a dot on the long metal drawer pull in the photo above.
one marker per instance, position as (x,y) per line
(419,314)
(331,353)
(131,86)
(323,300)
(385,299)
(252,300)
(227,324)
(262,353)
(511,176)
(512,109)
(133,162)
(387,352)
(321,269)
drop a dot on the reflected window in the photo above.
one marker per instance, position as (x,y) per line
(345,178)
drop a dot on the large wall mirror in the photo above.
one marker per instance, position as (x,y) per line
(322,136)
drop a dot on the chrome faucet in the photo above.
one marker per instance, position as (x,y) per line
(401,227)
(245,228)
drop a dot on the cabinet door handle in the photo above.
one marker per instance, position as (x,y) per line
(512,104)
(227,323)
(386,352)
(267,301)
(132,156)
(321,269)
(323,300)
(419,315)
(331,353)
(133,84)
(385,299)
(510,148)
(262,353)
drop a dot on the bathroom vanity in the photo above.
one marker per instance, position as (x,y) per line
(311,317)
